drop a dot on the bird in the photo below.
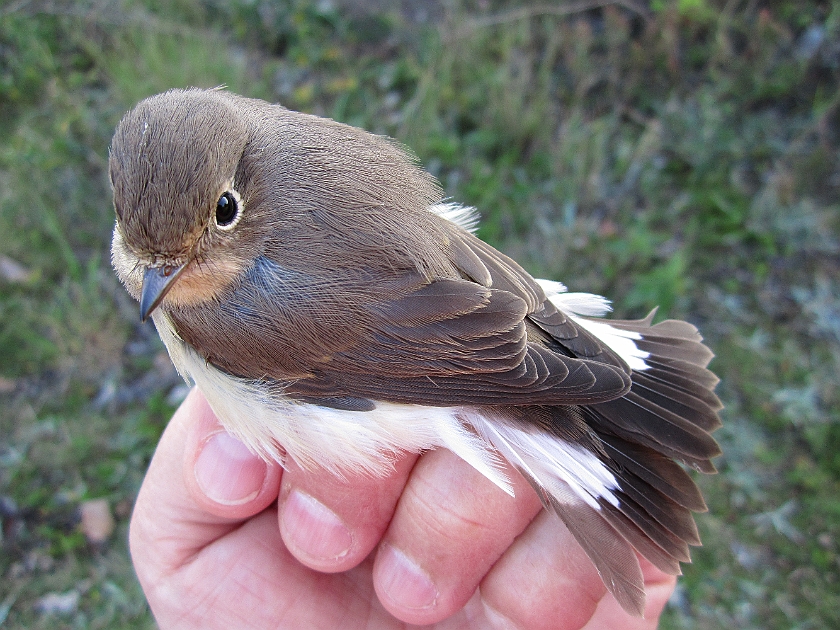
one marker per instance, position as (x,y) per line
(336,308)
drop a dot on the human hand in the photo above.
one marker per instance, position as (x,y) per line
(220,539)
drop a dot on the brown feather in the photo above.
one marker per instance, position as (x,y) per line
(657,470)
(609,551)
(647,540)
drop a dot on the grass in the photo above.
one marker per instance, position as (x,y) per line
(681,154)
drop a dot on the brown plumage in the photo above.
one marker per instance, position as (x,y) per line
(310,278)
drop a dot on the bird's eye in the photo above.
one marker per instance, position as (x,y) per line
(227,209)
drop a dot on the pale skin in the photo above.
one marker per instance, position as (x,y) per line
(220,539)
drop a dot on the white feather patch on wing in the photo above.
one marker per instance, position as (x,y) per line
(464,216)
(341,441)
(548,459)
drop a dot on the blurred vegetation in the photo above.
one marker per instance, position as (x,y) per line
(683,154)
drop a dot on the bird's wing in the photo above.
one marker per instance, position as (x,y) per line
(483,264)
(488,337)
(455,342)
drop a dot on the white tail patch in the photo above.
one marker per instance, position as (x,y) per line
(551,287)
(621,341)
(586,304)
(464,216)
(580,305)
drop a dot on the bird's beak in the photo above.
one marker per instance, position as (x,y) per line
(157,281)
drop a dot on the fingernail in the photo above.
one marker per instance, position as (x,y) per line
(404,582)
(313,529)
(227,472)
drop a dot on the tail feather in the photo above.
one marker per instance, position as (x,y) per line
(608,549)
(694,373)
(671,406)
(588,494)
(667,560)
(682,388)
(687,406)
(640,420)
(670,338)
(603,424)
(658,471)
(683,350)
(659,511)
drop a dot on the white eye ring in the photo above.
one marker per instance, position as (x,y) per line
(228,210)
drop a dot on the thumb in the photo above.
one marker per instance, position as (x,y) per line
(222,476)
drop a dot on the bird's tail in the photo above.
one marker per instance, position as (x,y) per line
(618,485)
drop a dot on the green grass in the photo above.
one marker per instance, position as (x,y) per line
(686,157)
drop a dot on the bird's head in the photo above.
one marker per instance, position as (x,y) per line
(183,233)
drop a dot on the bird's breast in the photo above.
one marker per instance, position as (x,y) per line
(277,322)
(206,282)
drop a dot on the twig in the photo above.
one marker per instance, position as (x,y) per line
(103,12)
(559,10)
